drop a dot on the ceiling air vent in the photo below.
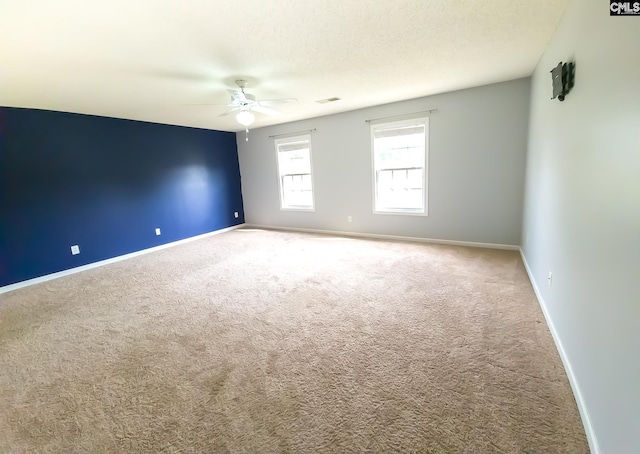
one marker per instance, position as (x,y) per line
(324,101)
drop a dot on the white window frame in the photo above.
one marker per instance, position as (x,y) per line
(425,188)
(292,140)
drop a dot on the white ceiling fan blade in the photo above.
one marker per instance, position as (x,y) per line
(229,111)
(237,97)
(264,110)
(275,102)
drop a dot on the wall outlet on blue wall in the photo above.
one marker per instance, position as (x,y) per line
(75,249)
(158,231)
(235,214)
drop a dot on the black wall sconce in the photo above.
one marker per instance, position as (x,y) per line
(562,77)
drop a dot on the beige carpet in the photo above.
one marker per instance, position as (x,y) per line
(258,341)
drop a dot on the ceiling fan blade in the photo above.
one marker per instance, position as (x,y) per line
(241,96)
(264,110)
(229,111)
(275,102)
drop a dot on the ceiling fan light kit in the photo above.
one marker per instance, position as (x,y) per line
(245,118)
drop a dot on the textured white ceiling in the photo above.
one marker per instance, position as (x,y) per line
(147,59)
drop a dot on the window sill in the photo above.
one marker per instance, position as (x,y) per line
(308,210)
(402,212)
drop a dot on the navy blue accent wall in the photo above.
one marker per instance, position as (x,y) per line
(106,184)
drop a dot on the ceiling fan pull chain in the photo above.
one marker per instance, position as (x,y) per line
(247,134)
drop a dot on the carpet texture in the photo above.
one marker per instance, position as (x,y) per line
(261,341)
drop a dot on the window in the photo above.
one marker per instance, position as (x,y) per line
(400,157)
(294,171)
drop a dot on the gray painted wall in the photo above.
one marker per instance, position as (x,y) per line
(477,153)
(582,214)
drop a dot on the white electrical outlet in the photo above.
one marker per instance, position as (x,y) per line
(349,219)
(235,214)
(75,249)
(550,278)
(158,231)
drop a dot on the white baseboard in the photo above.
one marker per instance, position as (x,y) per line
(387,237)
(582,408)
(78,269)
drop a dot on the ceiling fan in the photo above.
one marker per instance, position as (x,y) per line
(246,104)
